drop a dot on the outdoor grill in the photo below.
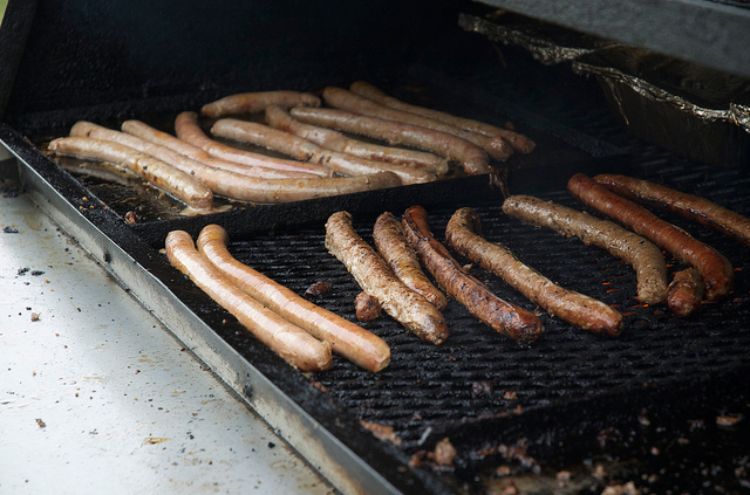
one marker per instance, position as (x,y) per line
(106,62)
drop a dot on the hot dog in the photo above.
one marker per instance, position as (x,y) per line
(164,176)
(689,206)
(520,143)
(293,344)
(391,244)
(573,307)
(336,141)
(342,99)
(500,315)
(645,258)
(714,268)
(187,129)
(257,102)
(302,149)
(351,341)
(238,186)
(473,159)
(376,279)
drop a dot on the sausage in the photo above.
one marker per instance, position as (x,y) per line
(348,339)
(187,129)
(391,244)
(376,279)
(162,175)
(336,141)
(302,149)
(472,158)
(293,344)
(519,142)
(342,99)
(645,258)
(575,308)
(366,307)
(257,102)
(500,315)
(685,292)
(689,206)
(148,133)
(714,268)
(236,186)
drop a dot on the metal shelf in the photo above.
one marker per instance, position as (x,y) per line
(708,33)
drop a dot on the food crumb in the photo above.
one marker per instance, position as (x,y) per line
(599,472)
(728,420)
(444,453)
(271,445)
(34,316)
(563,477)
(22,271)
(510,395)
(366,307)
(36,273)
(381,432)
(10,230)
(40,422)
(319,288)
(130,217)
(502,470)
(626,489)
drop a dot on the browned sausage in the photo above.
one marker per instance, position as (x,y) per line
(573,307)
(689,206)
(336,141)
(500,315)
(685,292)
(236,186)
(389,239)
(187,129)
(351,341)
(520,143)
(302,149)
(472,158)
(376,279)
(148,133)
(342,99)
(714,268)
(366,307)
(296,346)
(162,175)
(257,102)
(645,258)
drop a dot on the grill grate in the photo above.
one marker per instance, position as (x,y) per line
(427,388)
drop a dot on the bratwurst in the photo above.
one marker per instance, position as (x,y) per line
(500,315)
(293,344)
(714,268)
(377,280)
(575,308)
(257,102)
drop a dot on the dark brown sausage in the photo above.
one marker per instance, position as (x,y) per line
(352,341)
(391,244)
(296,346)
(162,175)
(714,268)
(520,143)
(340,98)
(575,308)
(279,118)
(689,206)
(500,315)
(685,292)
(645,258)
(257,102)
(473,159)
(302,149)
(376,279)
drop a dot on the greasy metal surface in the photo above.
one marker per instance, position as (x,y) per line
(115,395)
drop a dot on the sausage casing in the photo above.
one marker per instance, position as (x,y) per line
(500,315)
(257,102)
(685,292)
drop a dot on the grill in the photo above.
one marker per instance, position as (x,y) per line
(480,389)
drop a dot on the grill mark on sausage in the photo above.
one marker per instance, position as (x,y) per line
(376,279)
(500,315)
(645,258)
(714,268)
